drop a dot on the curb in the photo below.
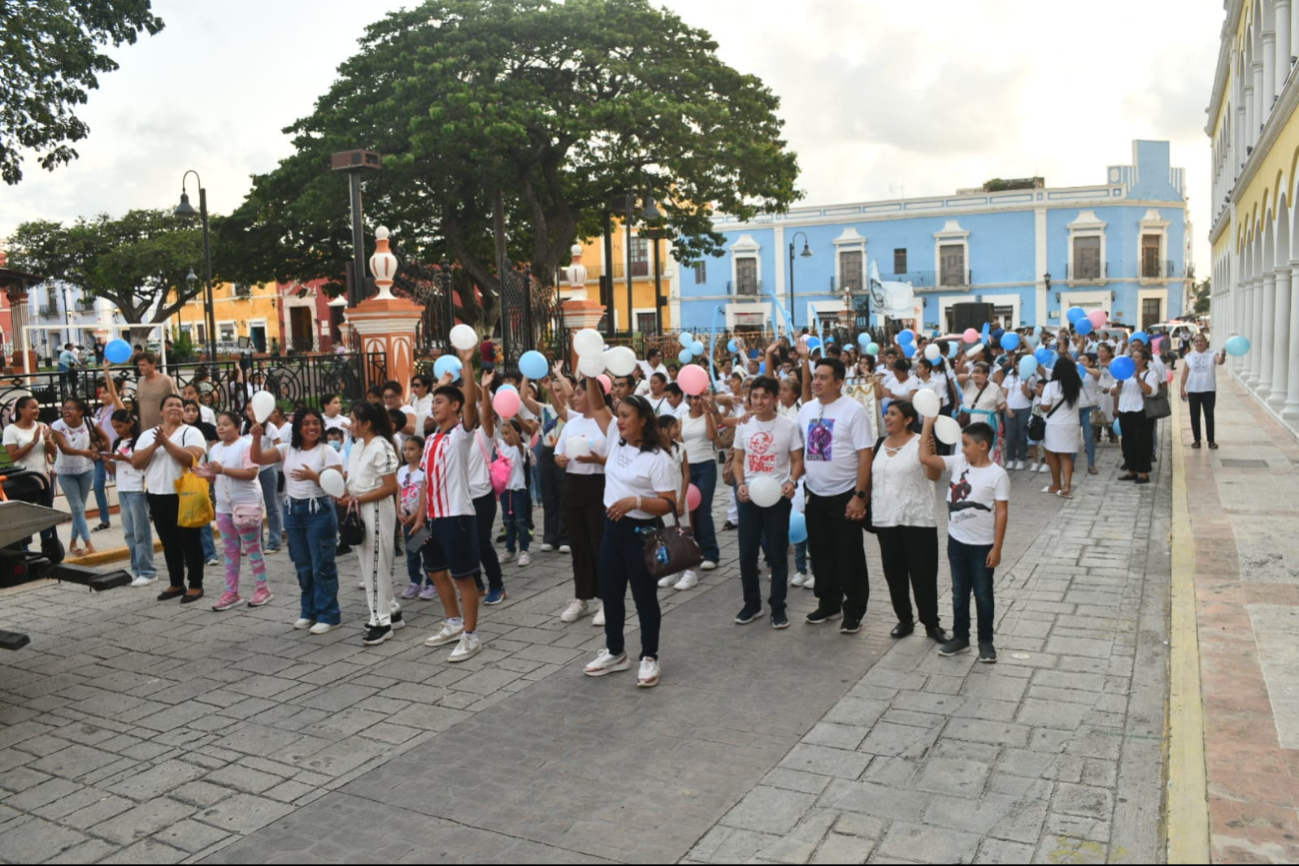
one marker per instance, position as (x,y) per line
(103,557)
(1187,806)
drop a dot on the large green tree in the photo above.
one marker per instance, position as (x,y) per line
(49,57)
(139,262)
(531,115)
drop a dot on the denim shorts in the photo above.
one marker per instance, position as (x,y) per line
(452,546)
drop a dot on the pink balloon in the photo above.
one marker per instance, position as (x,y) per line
(693,379)
(605,382)
(1098,318)
(506,403)
(693,497)
(1170,377)
(970,335)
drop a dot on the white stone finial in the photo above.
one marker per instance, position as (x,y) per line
(381,233)
(576,251)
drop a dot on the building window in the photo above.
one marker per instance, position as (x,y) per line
(746,275)
(952,257)
(1150,256)
(1150,311)
(850,270)
(1005,317)
(647,323)
(701,273)
(1087,258)
(639,257)
(899,261)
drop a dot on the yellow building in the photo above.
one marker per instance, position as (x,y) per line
(642,307)
(1254,129)
(240,311)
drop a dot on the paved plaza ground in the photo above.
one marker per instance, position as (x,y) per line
(145,732)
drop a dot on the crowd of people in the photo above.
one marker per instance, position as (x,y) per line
(812,444)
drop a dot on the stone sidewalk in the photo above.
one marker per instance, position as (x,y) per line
(140,732)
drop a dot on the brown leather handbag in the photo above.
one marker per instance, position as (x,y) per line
(670,549)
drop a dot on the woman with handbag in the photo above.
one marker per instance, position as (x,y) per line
(239,509)
(1131,394)
(638,491)
(164,453)
(1061,402)
(983,400)
(310,517)
(371,495)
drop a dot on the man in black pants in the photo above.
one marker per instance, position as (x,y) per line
(837,438)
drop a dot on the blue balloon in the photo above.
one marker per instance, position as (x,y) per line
(909,349)
(864,340)
(1010,341)
(1027,366)
(1074,314)
(1082,371)
(1084,326)
(697,348)
(906,337)
(508,387)
(813,343)
(447,364)
(1043,355)
(953,348)
(733,346)
(872,349)
(1034,340)
(797,528)
(987,333)
(762,367)
(998,333)
(685,356)
(829,338)
(1118,431)
(1237,346)
(533,365)
(118,351)
(1140,335)
(1122,368)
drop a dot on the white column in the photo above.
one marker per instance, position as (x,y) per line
(1250,371)
(1281,340)
(1251,122)
(1266,341)
(1260,106)
(1283,43)
(1239,133)
(1291,409)
(1269,73)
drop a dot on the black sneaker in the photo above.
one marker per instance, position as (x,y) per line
(851,625)
(747,616)
(936,634)
(902,629)
(955,646)
(821,615)
(779,620)
(987,653)
(342,550)
(377,634)
(397,621)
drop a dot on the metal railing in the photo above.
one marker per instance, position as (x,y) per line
(50,312)
(1085,272)
(917,279)
(954,279)
(1152,270)
(745,288)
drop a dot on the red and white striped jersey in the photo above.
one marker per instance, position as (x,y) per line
(446,473)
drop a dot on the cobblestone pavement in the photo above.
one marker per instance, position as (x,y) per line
(134,731)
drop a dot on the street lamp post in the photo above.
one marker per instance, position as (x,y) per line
(806,254)
(652,216)
(185,209)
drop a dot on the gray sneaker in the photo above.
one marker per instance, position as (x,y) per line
(987,653)
(955,646)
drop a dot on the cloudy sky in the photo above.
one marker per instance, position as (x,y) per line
(881,99)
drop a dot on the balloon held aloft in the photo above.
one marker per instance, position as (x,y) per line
(588,342)
(620,360)
(927,403)
(464,337)
(447,364)
(693,379)
(506,403)
(1237,346)
(591,365)
(118,351)
(263,406)
(533,365)
(947,430)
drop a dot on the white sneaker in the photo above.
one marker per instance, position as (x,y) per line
(708,565)
(144,581)
(546,548)
(598,619)
(449,634)
(810,583)
(505,556)
(469,647)
(525,559)
(649,674)
(575,611)
(799,579)
(1032,467)
(322,628)
(1020,464)
(665,582)
(1046,467)
(304,623)
(607,663)
(564,548)
(689,580)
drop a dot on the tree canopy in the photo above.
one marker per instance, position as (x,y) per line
(49,57)
(535,113)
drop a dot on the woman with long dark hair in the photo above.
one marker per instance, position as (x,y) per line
(1135,427)
(27,442)
(133,507)
(372,485)
(1061,400)
(80,446)
(638,490)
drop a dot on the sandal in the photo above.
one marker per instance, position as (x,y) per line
(1092,470)
(1065,494)
(1213,446)
(101,527)
(1047,489)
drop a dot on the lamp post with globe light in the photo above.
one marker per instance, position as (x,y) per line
(186,210)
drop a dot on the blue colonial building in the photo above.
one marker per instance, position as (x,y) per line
(1028,251)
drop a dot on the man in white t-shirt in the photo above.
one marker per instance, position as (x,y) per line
(1161,375)
(837,439)
(653,363)
(769,452)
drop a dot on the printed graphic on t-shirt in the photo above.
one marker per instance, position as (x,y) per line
(760,456)
(820,440)
(960,500)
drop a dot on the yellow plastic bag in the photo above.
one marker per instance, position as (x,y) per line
(196,509)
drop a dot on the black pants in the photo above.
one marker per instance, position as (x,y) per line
(842,583)
(1208,401)
(485,509)
(768,529)
(181,547)
(555,532)
(584,508)
(910,555)
(1136,441)
(622,562)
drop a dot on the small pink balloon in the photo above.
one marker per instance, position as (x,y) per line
(970,335)
(605,382)
(1098,318)
(693,497)
(693,379)
(506,403)
(1170,377)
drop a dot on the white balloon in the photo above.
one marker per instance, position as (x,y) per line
(974,353)
(764,491)
(620,360)
(932,352)
(263,406)
(591,366)
(577,446)
(927,403)
(588,342)
(687,339)
(464,337)
(331,481)
(947,430)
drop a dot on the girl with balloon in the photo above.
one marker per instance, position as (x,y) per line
(1200,386)
(239,510)
(1135,380)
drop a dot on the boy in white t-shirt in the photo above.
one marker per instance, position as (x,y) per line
(978,505)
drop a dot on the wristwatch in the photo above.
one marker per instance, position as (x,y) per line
(861,494)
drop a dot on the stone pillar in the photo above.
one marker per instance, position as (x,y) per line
(1269,74)
(579,315)
(1248,372)
(1260,110)
(1284,42)
(387,324)
(1251,124)
(1291,409)
(1265,333)
(1281,340)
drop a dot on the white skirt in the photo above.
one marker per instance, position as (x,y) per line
(1062,438)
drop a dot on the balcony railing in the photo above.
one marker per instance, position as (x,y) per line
(50,312)
(745,289)
(1087,272)
(956,279)
(917,279)
(854,285)
(1156,270)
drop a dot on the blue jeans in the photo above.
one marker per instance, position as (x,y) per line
(134,510)
(516,513)
(800,557)
(767,528)
(622,561)
(269,478)
(1017,434)
(1085,418)
(313,538)
(77,489)
(970,573)
(206,535)
(101,494)
(704,476)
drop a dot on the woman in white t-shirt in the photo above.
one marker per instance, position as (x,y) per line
(1135,427)
(372,486)
(898,385)
(699,430)
(133,508)
(239,509)
(27,442)
(80,445)
(1020,392)
(983,400)
(1061,401)
(1200,386)
(638,491)
(311,519)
